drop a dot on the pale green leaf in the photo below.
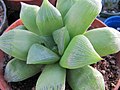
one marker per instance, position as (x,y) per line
(85,78)
(61,38)
(48,41)
(48,18)
(17,42)
(39,54)
(79,53)
(64,5)
(28,15)
(52,78)
(81,15)
(17,70)
(105,40)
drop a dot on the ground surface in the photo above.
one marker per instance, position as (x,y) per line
(110,71)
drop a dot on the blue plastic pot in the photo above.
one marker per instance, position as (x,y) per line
(113,21)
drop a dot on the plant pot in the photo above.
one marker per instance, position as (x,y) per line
(118,63)
(110,8)
(3,85)
(3,19)
(113,22)
(15,4)
(106,14)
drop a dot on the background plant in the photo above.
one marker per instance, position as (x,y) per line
(57,43)
(110,5)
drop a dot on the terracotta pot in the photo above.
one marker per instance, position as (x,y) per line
(117,86)
(15,4)
(4,86)
(15,24)
(3,83)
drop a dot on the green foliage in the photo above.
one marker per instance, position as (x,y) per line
(104,40)
(81,15)
(29,11)
(38,54)
(85,78)
(17,70)
(61,38)
(68,44)
(79,53)
(17,42)
(64,5)
(52,78)
(48,18)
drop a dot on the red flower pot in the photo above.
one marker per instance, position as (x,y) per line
(3,84)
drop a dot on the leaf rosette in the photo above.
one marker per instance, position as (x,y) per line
(57,38)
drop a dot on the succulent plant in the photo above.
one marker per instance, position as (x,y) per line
(55,40)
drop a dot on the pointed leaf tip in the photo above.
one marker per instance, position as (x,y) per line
(48,19)
(28,16)
(52,78)
(18,42)
(61,38)
(79,53)
(82,13)
(105,40)
(85,78)
(39,54)
(17,70)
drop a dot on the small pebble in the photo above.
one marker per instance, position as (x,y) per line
(113,11)
(104,11)
(103,71)
(112,61)
(112,84)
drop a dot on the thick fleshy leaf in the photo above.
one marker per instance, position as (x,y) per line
(85,78)
(39,54)
(48,18)
(28,15)
(79,53)
(81,15)
(17,70)
(105,40)
(55,49)
(17,42)
(52,78)
(48,41)
(64,5)
(61,38)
